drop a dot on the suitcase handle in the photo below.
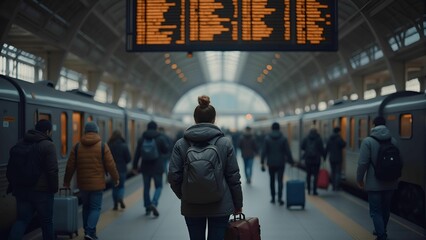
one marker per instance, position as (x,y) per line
(66,190)
(239,216)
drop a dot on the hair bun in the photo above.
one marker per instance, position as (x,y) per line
(203,101)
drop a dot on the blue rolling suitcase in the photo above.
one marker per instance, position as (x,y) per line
(295,193)
(65,211)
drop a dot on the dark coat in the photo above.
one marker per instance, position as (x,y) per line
(48,181)
(163,147)
(335,145)
(248,146)
(313,138)
(121,154)
(233,198)
(276,150)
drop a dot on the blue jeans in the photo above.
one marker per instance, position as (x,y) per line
(197,227)
(158,182)
(118,192)
(26,204)
(248,168)
(92,204)
(380,202)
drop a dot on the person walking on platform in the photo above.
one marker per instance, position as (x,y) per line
(335,145)
(249,149)
(121,154)
(379,191)
(37,194)
(151,148)
(197,205)
(313,148)
(277,152)
(91,164)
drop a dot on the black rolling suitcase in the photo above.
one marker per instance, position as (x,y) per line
(65,211)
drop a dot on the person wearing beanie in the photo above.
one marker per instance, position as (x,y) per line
(38,198)
(152,169)
(335,146)
(276,153)
(216,213)
(379,192)
(91,165)
(91,127)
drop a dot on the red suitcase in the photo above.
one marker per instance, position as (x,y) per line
(242,228)
(323,179)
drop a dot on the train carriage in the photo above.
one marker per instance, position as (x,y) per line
(405,114)
(24,103)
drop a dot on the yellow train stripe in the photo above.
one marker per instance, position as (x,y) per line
(351,227)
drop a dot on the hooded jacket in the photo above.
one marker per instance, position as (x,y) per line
(367,155)
(233,197)
(89,166)
(156,167)
(48,180)
(276,150)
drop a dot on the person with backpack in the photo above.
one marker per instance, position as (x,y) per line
(150,151)
(92,160)
(249,149)
(381,170)
(121,154)
(204,175)
(335,145)
(32,173)
(277,153)
(313,148)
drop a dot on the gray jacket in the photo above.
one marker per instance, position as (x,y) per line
(233,198)
(368,153)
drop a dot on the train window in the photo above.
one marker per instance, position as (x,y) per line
(64,134)
(90,118)
(76,127)
(406,126)
(352,133)
(362,131)
(43,116)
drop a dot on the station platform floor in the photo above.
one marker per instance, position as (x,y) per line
(329,216)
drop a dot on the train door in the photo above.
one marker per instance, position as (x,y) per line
(102,129)
(77,129)
(132,136)
(343,123)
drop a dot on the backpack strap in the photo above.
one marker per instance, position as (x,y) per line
(102,154)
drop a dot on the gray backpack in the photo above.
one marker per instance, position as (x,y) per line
(203,180)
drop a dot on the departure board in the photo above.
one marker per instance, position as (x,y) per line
(237,25)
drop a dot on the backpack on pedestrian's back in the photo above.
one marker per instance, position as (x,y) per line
(23,169)
(203,180)
(388,165)
(149,150)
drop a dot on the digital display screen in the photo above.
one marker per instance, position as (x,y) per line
(231,25)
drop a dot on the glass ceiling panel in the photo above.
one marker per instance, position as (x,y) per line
(227,98)
(222,66)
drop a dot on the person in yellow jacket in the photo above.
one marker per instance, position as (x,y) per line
(86,159)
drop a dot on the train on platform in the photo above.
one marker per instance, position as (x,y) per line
(405,113)
(23,104)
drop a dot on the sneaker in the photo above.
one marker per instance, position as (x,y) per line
(281,202)
(273,201)
(155,211)
(88,237)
